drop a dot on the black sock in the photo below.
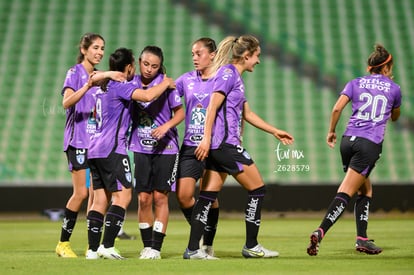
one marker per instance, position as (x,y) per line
(187,213)
(157,239)
(146,236)
(199,217)
(113,223)
(95,223)
(335,210)
(253,214)
(69,221)
(361,210)
(211,227)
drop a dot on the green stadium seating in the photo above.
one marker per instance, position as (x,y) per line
(40,39)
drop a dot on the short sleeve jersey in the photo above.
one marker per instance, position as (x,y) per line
(112,119)
(196,92)
(146,116)
(80,123)
(228,123)
(373,97)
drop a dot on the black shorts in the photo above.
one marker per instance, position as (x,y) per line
(155,172)
(228,158)
(111,173)
(189,166)
(360,154)
(77,158)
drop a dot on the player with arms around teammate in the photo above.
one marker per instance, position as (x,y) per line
(108,158)
(196,87)
(78,100)
(375,98)
(154,141)
(221,143)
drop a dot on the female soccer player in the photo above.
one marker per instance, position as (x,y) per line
(78,100)
(222,145)
(108,158)
(375,99)
(196,87)
(154,141)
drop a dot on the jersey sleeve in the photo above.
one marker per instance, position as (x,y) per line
(224,81)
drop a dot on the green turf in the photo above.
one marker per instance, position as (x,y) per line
(27,247)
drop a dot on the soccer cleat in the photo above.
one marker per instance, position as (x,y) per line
(125,236)
(258,252)
(198,254)
(367,246)
(109,253)
(144,251)
(91,255)
(151,254)
(208,249)
(313,247)
(64,250)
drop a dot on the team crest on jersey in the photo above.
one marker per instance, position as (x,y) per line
(145,121)
(246,155)
(198,115)
(128,176)
(80,159)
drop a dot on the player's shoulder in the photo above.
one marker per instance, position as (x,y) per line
(187,76)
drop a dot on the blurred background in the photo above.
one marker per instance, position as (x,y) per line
(310,49)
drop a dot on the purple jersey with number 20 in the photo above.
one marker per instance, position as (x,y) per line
(373,97)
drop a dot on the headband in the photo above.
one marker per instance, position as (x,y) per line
(383,63)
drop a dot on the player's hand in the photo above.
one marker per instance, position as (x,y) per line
(170,81)
(201,152)
(284,137)
(331,139)
(159,132)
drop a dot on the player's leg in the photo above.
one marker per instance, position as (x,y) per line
(251,180)
(161,214)
(361,210)
(349,186)
(185,196)
(63,248)
(213,182)
(145,219)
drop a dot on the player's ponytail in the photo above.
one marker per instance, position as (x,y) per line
(231,50)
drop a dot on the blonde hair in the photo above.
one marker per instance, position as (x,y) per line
(232,48)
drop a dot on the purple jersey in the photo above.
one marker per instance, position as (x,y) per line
(196,92)
(147,116)
(113,119)
(80,123)
(373,97)
(228,123)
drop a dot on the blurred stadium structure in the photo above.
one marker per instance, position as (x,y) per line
(310,48)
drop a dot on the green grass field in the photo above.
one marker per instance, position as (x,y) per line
(27,247)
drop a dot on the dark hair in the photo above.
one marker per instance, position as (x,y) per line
(118,60)
(379,58)
(158,52)
(207,42)
(85,42)
(121,58)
